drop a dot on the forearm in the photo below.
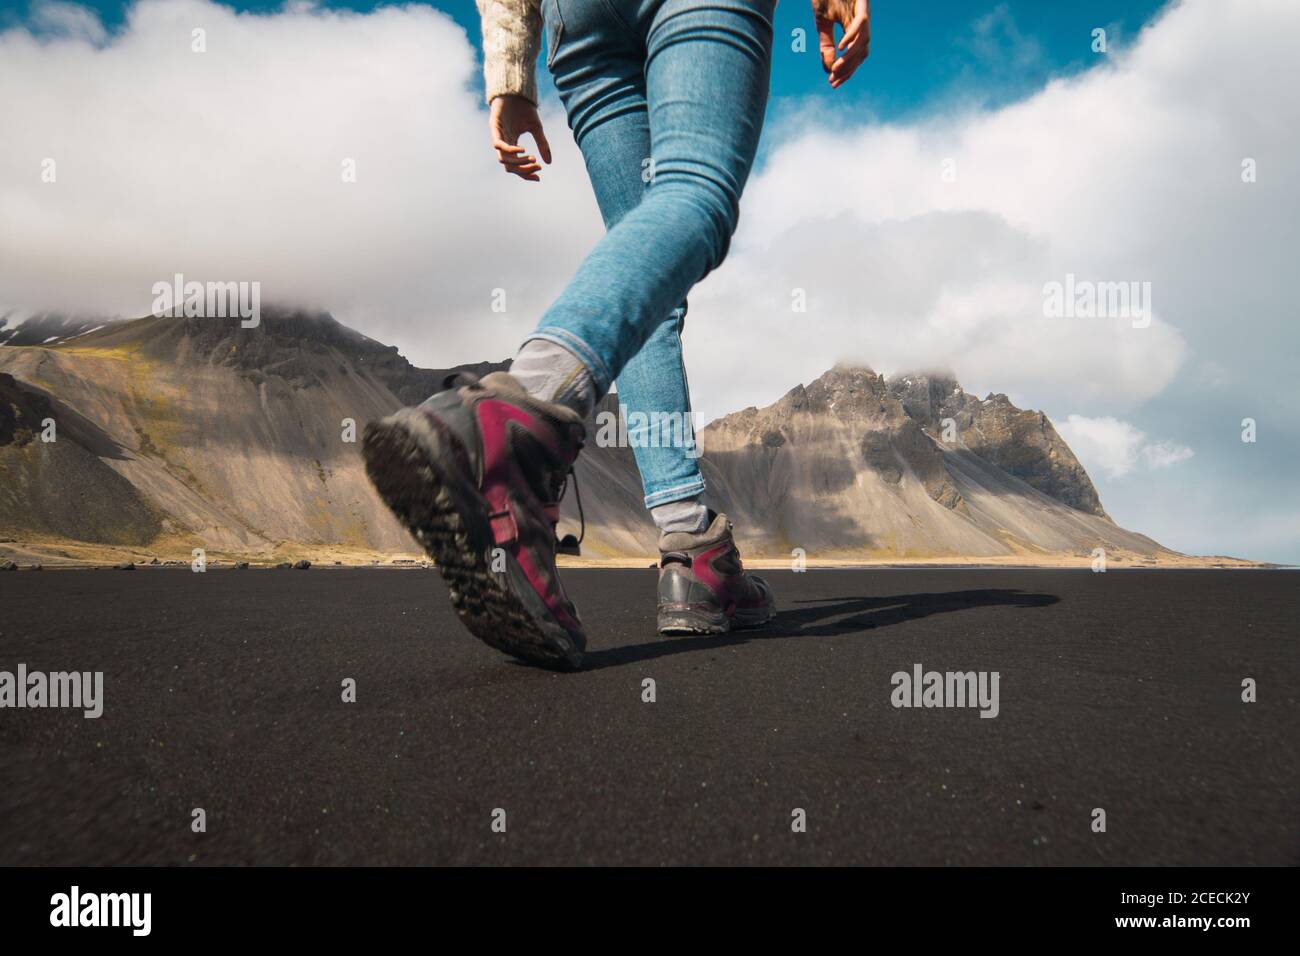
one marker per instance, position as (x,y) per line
(512,32)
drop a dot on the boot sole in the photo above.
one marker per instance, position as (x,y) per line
(449,520)
(684,621)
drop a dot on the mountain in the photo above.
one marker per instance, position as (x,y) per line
(65,488)
(46,328)
(175,433)
(229,439)
(855,466)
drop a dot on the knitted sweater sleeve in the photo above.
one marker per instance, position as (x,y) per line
(512,32)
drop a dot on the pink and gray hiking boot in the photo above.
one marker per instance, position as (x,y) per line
(475,473)
(703,586)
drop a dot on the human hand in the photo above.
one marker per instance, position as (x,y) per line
(842,59)
(509,118)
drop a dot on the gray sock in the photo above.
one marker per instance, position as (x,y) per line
(688,514)
(554,374)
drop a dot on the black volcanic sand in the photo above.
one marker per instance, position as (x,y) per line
(223,691)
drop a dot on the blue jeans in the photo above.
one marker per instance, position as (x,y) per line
(666,101)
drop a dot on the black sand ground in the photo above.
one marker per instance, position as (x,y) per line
(1119,691)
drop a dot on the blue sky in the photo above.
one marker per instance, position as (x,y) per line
(989,50)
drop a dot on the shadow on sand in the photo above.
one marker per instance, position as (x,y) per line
(826,616)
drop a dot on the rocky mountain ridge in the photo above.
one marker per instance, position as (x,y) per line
(202,433)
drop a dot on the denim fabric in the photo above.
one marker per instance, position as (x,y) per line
(666,101)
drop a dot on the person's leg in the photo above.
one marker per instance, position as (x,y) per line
(475,471)
(601,81)
(706,74)
(653,390)
(599,73)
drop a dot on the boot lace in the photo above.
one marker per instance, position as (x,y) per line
(570,544)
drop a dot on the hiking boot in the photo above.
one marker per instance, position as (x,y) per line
(475,473)
(704,588)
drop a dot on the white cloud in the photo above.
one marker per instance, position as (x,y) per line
(227,165)
(1117,448)
(1128,172)
(1164,454)
(1102,444)
(1002,56)
(69,20)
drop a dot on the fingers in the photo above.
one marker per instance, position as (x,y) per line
(543,147)
(854,48)
(840,60)
(515,159)
(503,146)
(516,163)
(856,32)
(843,69)
(826,41)
(526,171)
(512,156)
